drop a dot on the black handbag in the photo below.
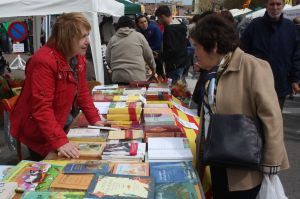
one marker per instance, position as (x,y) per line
(233,141)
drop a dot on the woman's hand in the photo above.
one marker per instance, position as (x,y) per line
(98,123)
(69,150)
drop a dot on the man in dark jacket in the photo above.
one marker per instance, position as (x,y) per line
(277,41)
(174,43)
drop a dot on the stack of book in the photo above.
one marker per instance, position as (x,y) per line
(129,134)
(158,116)
(104,87)
(135,91)
(87,134)
(124,151)
(124,112)
(162,131)
(166,149)
(158,92)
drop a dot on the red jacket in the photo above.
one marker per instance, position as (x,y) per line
(42,109)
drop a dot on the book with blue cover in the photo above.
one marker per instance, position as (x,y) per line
(173,172)
(88,167)
(120,186)
(177,191)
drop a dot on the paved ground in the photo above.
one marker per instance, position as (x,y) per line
(291,114)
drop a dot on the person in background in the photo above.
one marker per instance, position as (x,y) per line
(154,37)
(127,54)
(174,44)
(276,40)
(55,85)
(237,83)
(107,29)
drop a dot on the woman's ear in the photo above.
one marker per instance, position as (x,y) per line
(215,49)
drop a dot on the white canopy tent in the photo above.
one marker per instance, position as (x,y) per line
(91,8)
(291,13)
(260,13)
(236,12)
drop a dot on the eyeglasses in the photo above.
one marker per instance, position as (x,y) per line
(275,4)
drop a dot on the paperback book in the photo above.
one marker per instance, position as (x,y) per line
(7,189)
(120,186)
(131,168)
(71,182)
(177,191)
(94,166)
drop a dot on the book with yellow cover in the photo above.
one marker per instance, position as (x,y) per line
(126,134)
(131,168)
(121,186)
(78,182)
(123,117)
(126,98)
(125,107)
(158,111)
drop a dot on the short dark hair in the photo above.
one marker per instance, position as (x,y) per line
(139,17)
(197,17)
(163,10)
(125,21)
(212,30)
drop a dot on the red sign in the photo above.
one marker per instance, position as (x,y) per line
(18,31)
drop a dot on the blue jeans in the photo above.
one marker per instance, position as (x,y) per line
(175,75)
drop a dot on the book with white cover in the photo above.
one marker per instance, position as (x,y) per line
(105,87)
(102,107)
(84,132)
(167,143)
(170,154)
(7,189)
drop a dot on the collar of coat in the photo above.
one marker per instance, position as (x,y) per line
(236,58)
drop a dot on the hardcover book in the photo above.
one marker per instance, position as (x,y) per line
(120,186)
(7,189)
(52,195)
(95,166)
(87,134)
(177,191)
(31,175)
(72,182)
(133,168)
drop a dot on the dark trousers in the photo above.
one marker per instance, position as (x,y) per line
(35,156)
(220,186)
(281,102)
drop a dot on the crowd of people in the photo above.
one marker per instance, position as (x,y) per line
(248,76)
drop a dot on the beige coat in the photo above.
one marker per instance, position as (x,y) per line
(247,87)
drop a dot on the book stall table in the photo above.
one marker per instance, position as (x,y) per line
(185,119)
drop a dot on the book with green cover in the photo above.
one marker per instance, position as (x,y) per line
(120,186)
(52,195)
(32,176)
(89,167)
(177,191)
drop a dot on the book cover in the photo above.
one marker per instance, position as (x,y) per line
(125,134)
(87,134)
(63,162)
(139,169)
(173,172)
(95,166)
(162,128)
(4,170)
(125,149)
(90,149)
(125,107)
(127,98)
(120,186)
(177,191)
(124,117)
(52,195)
(28,175)
(168,143)
(97,97)
(74,182)
(7,189)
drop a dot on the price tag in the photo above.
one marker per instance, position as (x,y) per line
(186,123)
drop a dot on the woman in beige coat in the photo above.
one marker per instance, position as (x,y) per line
(244,85)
